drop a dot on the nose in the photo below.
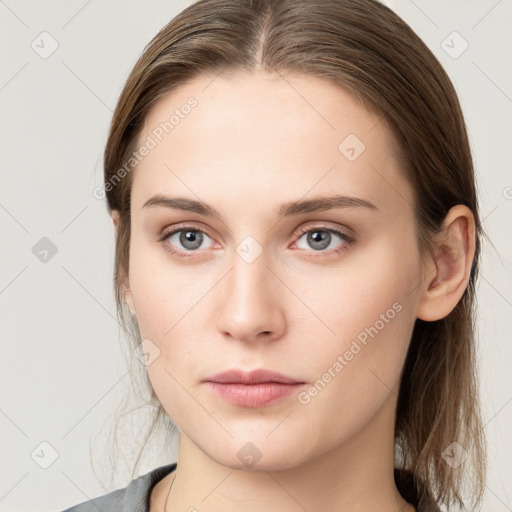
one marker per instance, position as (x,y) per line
(251,303)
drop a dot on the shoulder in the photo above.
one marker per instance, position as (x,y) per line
(132,498)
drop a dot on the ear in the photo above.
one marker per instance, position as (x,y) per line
(116,220)
(126,283)
(445,283)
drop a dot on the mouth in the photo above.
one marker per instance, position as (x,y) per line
(252,389)
(259,376)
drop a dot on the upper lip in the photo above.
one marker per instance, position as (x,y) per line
(258,376)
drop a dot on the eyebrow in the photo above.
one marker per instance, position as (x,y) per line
(318,204)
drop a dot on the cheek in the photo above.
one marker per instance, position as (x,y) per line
(164,293)
(352,377)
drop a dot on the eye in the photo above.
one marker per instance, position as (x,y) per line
(184,241)
(321,237)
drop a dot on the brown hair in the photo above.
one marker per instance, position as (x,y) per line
(369,51)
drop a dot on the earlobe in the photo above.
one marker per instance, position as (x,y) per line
(115,219)
(128,297)
(448,278)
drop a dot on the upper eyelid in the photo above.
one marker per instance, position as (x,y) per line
(301,231)
(177,228)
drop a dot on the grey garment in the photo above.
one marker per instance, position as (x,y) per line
(136,495)
(132,498)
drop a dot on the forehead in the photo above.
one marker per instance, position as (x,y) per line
(265,136)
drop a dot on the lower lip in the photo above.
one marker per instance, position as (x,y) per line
(253,395)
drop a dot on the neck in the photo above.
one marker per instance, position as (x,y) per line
(356,476)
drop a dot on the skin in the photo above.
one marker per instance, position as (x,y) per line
(252,143)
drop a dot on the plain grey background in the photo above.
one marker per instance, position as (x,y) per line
(61,365)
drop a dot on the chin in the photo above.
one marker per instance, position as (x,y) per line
(255,453)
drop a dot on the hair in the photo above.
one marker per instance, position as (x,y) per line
(366,49)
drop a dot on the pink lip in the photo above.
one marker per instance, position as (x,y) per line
(252,389)
(261,375)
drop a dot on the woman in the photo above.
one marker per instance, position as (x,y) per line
(297,242)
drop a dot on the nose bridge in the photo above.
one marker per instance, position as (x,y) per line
(249,274)
(250,302)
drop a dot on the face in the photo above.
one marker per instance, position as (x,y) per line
(326,296)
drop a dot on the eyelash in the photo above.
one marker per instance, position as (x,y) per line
(189,254)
